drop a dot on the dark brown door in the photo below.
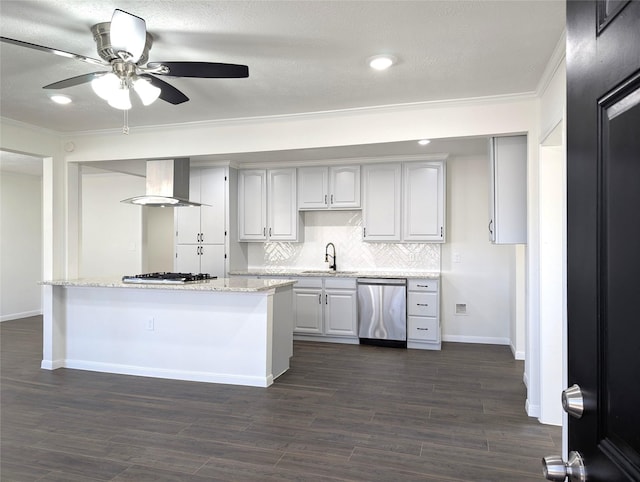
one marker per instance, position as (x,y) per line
(603,234)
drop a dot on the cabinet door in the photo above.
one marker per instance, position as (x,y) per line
(187,258)
(313,188)
(212,259)
(307,309)
(508,196)
(382,201)
(340,316)
(252,205)
(424,200)
(188,218)
(282,214)
(213,195)
(344,182)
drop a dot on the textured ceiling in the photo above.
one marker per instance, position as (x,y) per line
(303,56)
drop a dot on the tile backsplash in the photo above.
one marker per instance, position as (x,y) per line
(344,230)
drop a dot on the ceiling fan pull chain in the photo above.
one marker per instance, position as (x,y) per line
(125,127)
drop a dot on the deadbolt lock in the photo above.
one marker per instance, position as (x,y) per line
(573,401)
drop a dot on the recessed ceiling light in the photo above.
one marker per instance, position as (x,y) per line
(61,99)
(381,62)
(424,142)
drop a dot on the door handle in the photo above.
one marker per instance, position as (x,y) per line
(554,468)
(320,299)
(490,230)
(326,299)
(332,199)
(573,401)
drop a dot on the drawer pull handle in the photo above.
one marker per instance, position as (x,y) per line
(423,329)
(422,304)
(422,286)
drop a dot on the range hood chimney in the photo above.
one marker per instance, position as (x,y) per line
(167,184)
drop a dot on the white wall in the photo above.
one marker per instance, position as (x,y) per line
(552,280)
(20,245)
(474,271)
(111,231)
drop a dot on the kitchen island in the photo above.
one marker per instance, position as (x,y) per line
(235,331)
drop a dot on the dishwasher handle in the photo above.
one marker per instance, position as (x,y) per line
(382,281)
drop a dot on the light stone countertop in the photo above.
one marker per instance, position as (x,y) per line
(298,273)
(237,285)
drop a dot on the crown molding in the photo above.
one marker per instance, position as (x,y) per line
(555,61)
(310,116)
(344,161)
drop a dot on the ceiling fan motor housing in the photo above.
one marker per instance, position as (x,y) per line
(102,38)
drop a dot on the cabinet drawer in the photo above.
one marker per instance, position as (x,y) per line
(422,285)
(421,328)
(422,304)
(340,283)
(306,282)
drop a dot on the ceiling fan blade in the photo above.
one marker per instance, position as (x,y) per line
(80,79)
(128,35)
(210,70)
(168,92)
(50,50)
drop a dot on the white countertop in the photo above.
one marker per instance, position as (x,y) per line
(239,285)
(343,274)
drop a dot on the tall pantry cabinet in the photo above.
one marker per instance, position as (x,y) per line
(508,190)
(201,231)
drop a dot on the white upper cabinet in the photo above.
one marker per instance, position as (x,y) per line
(282,214)
(424,200)
(508,193)
(252,205)
(313,188)
(336,187)
(195,225)
(267,205)
(382,195)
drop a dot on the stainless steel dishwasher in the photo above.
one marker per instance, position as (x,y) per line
(382,312)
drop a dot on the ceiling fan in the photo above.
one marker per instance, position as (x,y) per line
(123,46)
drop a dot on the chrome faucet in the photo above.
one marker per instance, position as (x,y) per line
(333,257)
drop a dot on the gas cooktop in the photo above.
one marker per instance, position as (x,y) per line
(167,278)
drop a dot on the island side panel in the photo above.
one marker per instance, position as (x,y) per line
(282,330)
(218,337)
(54,335)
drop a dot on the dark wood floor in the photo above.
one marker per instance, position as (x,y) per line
(342,412)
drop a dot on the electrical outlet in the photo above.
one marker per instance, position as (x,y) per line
(150,324)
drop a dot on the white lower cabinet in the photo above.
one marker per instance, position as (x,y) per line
(423,314)
(325,309)
(202,258)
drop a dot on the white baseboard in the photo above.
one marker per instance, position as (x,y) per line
(17,316)
(532,410)
(482,340)
(208,377)
(518,355)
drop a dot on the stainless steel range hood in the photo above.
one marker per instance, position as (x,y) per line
(167,184)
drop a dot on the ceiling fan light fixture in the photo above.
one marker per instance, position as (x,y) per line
(147,92)
(120,98)
(105,85)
